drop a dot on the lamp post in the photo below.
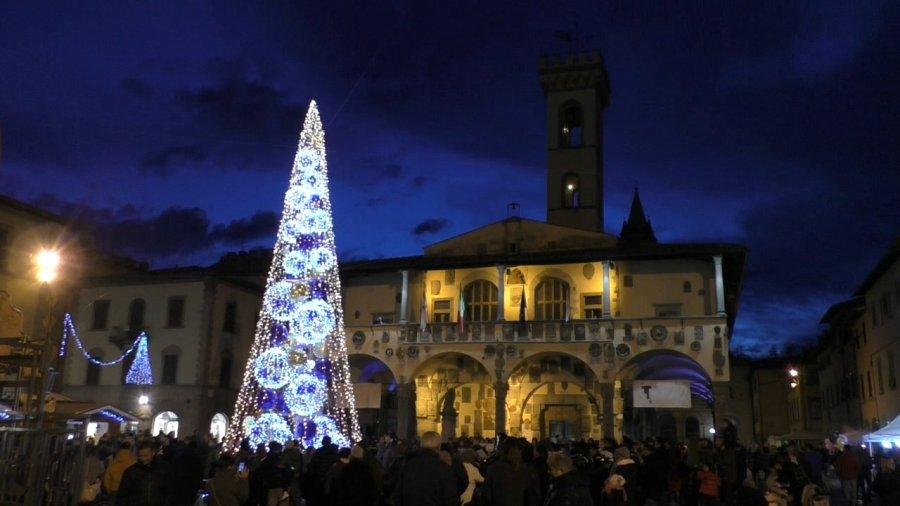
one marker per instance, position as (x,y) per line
(46,265)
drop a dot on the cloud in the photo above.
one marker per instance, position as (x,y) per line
(251,109)
(163,163)
(430,226)
(262,224)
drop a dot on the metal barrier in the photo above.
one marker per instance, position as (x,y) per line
(41,467)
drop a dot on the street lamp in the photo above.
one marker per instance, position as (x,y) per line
(712,430)
(46,263)
(143,400)
(793,372)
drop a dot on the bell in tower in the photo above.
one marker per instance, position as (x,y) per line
(577,91)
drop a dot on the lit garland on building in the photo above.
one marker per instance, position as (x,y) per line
(297,381)
(140,372)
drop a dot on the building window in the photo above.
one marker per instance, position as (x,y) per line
(869,378)
(878,373)
(667,310)
(175,314)
(440,312)
(136,314)
(874,315)
(550,299)
(170,368)
(225,370)
(481,301)
(571,190)
(892,375)
(230,322)
(466,394)
(100,317)
(571,126)
(92,378)
(382,318)
(592,305)
(886,309)
(686,287)
(628,281)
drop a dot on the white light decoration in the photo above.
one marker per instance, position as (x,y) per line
(273,368)
(315,321)
(305,394)
(302,318)
(268,427)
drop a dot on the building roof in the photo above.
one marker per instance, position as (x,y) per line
(637,228)
(892,255)
(849,308)
(32,210)
(173,275)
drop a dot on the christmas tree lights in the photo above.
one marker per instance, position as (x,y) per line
(297,381)
(140,372)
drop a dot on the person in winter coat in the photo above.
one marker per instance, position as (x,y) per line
(424,479)
(270,479)
(709,485)
(628,469)
(146,483)
(112,478)
(354,483)
(847,468)
(228,487)
(509,481)
(567,488)
(317,473)
(887,483)
(467,455)
(614,491)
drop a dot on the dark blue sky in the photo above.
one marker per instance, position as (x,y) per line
(775,125)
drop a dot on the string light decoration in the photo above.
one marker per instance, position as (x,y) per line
(140,372)
(301,319)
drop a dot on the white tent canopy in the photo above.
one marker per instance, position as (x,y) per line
(890,433)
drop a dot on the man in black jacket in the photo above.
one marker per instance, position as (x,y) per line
(567,488)
(425,480)
(145,483)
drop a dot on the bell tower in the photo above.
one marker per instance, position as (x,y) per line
(576,88)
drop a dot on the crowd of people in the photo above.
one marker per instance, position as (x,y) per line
(506,471)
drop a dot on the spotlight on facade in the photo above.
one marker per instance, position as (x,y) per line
(46,262)
(793,372)
(794,384)
(712,430)
(143,400)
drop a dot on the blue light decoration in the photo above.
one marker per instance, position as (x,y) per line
(297,380)
(267,427)
(273,368)
(112,416)
(4,415)
(140,372)
(305,394)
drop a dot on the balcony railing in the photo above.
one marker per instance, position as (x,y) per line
(641,330)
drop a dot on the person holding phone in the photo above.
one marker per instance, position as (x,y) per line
(229,485)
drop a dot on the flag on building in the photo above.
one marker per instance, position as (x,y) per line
(462,312)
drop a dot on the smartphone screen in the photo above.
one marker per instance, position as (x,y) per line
(242,468)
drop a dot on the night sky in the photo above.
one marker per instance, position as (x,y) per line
(173,128)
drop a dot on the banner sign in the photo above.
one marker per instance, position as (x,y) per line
(368,395)
(662,394)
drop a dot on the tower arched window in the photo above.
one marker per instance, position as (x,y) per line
(136,314)
(550,299)
(571,125)
(571,190)
(481,301)
(170,365)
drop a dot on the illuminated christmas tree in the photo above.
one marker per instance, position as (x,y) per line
(297,381)
(140,372)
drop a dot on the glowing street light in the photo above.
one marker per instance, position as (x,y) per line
(793,372)
(47,263)
(712,430)
(143,400)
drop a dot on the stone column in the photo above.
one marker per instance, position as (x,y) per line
(406,410)
(608,416)
(501,293)
(501,388)
(404,297)
(607,296)
(720,287)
